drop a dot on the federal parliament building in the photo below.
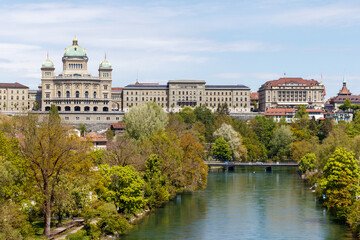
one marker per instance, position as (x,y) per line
(81,97)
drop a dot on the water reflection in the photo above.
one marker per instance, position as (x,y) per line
(243,205)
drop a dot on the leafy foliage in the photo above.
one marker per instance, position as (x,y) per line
(307,162)
(123,186)
(144,120)
(221,150)
(233,139)
(339,184)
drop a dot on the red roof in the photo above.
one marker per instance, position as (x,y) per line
(254,96)
(95,137)
(282,81)
(344,91)
(117,126)
(287,111)
(116,89)
(12,85)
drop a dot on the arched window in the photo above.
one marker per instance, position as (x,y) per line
(77,109)
(105,109)
(67,109)
(94,94)
(47,108)
(77,94)
(95,109)
(67,94)
(86,94)
(59,94)
(86,109)
(59,108)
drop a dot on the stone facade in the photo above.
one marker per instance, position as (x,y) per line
(75,90)
(181,93)
(334,102)
(13,97)
(291,92)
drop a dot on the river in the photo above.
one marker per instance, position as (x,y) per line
(244,204)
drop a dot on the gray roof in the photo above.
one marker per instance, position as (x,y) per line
(226,87)
(156,87)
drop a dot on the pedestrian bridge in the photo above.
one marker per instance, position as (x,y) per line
(267,165)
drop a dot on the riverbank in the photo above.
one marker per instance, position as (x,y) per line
(262,205)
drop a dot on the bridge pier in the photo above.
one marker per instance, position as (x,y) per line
(228,168)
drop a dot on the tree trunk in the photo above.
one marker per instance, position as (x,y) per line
(47,209)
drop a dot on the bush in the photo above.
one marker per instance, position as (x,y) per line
(79,235)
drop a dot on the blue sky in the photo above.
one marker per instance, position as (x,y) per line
(222,42)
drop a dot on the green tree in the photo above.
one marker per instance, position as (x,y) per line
(280,144)
(263,128)
(307,162)
(123,186)
(302,116)
(50,151)
(188,115)
(221,150)
(223,109)
(144,120)
(301,112)
(155,192)
(233,139)
(194,168)
(347,105)
(82,129)
(340,182)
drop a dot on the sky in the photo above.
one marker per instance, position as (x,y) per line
(221,42)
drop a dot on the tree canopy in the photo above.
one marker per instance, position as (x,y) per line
(144,120)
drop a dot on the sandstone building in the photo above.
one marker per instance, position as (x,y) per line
(177,94)
(13,97)
(334,102)
(291,92)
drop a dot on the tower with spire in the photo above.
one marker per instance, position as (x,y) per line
(344,91)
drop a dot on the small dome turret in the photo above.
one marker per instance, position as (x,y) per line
(47,63)
(75,50)
(105,64)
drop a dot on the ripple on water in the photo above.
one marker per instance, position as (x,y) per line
(243,205)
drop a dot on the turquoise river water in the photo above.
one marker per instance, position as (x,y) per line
(244,204)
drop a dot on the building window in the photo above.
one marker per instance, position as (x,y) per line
(47,95)
(105,75)
(105,87)
(86,94)
(105,95)
(59,94)
(47,86)
(77,118)
(77,94)
(94,94)
(66,118)
(97,118)
(107,118)
(67,94)
(87,118)
(47,74)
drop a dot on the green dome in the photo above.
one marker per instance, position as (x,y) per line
(105,64)
(75,50)
(47,64)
